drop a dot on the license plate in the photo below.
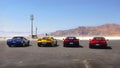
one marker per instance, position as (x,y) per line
(71,43)
(44,43)
(97,44)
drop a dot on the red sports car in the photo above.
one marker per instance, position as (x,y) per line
(71,41)
(98,42)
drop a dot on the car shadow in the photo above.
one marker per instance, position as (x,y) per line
(80,46)
(20,46)
(49,46)
(108,47)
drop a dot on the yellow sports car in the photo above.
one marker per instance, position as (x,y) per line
(47,41)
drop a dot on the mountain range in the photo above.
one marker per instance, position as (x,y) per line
(102,30)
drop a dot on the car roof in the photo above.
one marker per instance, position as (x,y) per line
(18,37)
(71,36)
(98,38)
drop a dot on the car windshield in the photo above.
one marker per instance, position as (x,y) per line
(45,38)
(70,38)
(17,37)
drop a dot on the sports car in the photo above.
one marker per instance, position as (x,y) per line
(70,41)
(18,41)
(47,41)
(98,42)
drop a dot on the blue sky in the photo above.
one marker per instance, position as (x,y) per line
(52,15)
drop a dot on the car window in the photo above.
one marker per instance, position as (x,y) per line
(24,38)
(45,38)
(99,38)
(51,37)
(71,38)
(17,37)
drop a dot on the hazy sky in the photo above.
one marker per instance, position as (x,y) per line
(52,15)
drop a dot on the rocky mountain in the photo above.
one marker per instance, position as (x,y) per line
(103,30)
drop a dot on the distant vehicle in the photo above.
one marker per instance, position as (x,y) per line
(70,41)
(98,42)
(18,41)
(47,41)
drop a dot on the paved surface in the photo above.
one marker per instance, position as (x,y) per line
(60,57)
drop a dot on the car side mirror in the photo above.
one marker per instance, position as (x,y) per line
(107,40)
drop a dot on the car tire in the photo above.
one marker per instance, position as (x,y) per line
(56,43)
(90,46)
(64,45)
(39,45)
(24,44)
(9,45)
(28,44)
(78,45)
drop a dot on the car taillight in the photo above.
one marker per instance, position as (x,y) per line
(76,40)
(103,41)
(93,41)
(66,40)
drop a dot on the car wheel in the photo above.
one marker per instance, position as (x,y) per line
(105,46)
(28,44)
(9,45)
(56,43)
(39,45)
(78,45)
(90,46)
(24,44)
(64,45)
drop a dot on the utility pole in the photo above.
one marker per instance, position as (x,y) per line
(46,34)
(31,18)
(36,31)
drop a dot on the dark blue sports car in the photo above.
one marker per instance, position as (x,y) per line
(18,41)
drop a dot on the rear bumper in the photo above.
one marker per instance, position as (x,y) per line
(68,44)
(45,44)
(98,45)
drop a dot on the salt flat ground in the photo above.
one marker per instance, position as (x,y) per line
(60,57)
